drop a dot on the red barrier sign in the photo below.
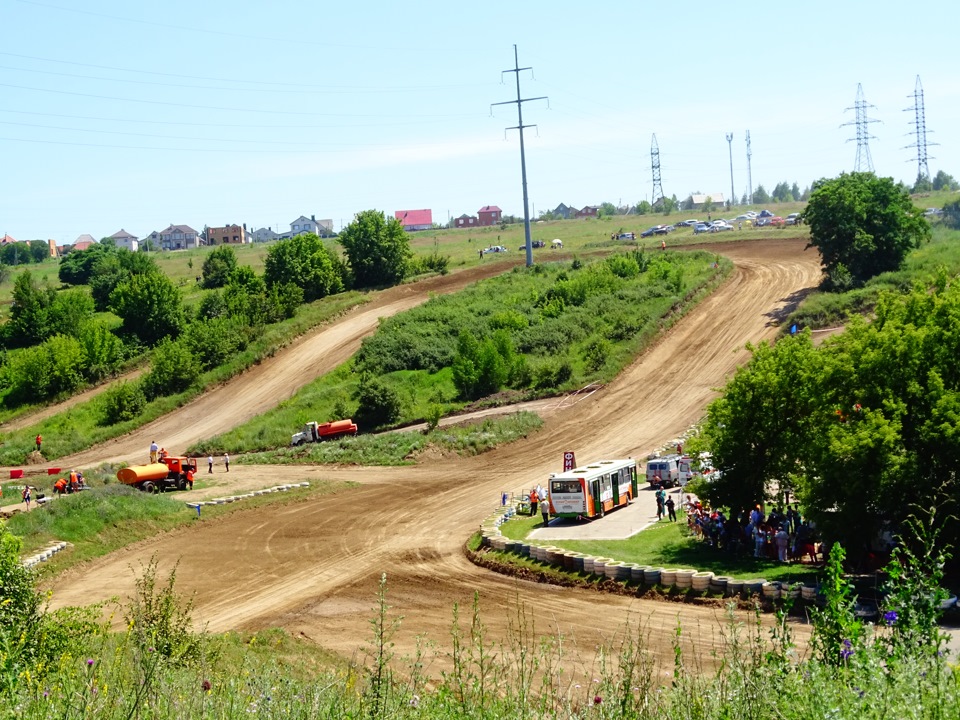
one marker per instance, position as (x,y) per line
(569,461)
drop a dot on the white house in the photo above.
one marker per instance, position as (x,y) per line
(123,239)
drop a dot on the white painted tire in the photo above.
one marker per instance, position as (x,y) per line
(668,578)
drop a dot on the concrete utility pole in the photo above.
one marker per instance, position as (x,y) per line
(749,176)
(523,159)
(733,197)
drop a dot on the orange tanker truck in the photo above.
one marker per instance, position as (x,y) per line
(171,473)
(317,432)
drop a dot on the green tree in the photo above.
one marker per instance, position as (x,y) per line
(39,250)
(29,321)
(122,402)
(377,249)
(943,181)
(102,350)
(795,191)
(708,205)
(764,421)
(307,263)
(217,267)
(760,196)
(922,184)
(607,209)
(173,369)
(77,267)
(377,403)
(149,307)
(864,223)
(69,311)
(643,208)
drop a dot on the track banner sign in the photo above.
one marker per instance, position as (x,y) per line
(569,461)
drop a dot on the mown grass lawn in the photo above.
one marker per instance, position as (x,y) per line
(668,545)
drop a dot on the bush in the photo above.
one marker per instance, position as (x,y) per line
(173,369)
(122,402)
(44,371)
(217,267)
(213,342)
(377,404)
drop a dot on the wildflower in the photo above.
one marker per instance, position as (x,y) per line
(890,617)
(847,650)
(597,699)
(577,686)
(415,701)
(151,649)
(205,685)
(860,693)
(89,662)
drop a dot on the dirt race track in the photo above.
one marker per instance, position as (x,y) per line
(312,567)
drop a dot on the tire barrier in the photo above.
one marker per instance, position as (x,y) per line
(245,496)
(609,568)
(45,554)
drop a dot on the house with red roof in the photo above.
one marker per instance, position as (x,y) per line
(7,240)
(84,242)
(490,215)
(415,219)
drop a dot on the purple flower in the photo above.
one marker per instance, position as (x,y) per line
(597,699)
(847,650)
(890,617)
(89,662)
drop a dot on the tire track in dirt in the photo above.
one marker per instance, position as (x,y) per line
(312,567)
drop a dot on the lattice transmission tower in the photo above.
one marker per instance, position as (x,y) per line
(655,164)
(863,162)
(919,132)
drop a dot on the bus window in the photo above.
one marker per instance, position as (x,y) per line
(566,486)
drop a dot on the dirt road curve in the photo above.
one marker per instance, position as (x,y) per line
(313,567)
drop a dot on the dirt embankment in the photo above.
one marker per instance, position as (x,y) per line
(313,567)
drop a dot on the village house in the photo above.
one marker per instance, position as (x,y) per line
(465,221)
(413,220)
(227,235)
(123,239)
(490,215)
(178,237)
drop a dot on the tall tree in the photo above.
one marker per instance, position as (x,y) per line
(149,306)
(307,263)
(377,249)
(760,196)
(29,313)
(217,267)
(943,181)
(862,225)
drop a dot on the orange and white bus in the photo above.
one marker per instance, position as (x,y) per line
(592,490)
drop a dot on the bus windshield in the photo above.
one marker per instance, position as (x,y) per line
(566,486)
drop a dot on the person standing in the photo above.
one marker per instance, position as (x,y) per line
(190,477)
(210,464)
(226,461)
(154,449)
(661,496)
(26,496)
(545,512)
(783,538)
(39,441)
(534,500)
(671,509)
(663,244)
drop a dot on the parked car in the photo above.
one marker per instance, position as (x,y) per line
(792,218)
(777,221)
(933,212)
(649,231)
(494,249)
(534,243)
(664,230)
(765,214)
(626,236)
(700,228)
(720,226)
(691,223)
(744,217)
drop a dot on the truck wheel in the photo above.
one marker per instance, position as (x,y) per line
(300,442)
(148,487)
(182,483)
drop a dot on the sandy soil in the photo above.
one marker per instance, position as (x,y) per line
(312,567)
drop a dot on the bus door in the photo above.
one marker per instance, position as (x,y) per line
(595,494)
(615,477)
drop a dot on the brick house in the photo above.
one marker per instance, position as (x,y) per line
(588,211)
(465,221)
(228,235)
(490,215)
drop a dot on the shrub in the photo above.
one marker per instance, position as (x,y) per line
(212,342)
(377,403)
(173,369)
(217,267)
(41,372)
(123,402)
(103,351)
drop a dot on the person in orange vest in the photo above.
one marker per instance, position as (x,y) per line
(163,454)
(39,441)
(60,487)
(190,477)
(534,499)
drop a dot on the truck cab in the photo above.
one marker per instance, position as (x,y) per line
(315,432)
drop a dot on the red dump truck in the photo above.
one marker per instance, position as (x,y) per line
(170,473)
(315,432)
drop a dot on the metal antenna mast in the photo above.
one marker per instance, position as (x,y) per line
(920,131)
(655,164)
(863,163)
(749,176)
(733,198)
(523,158)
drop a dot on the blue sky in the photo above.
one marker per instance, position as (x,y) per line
(138,115)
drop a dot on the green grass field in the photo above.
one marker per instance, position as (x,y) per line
(669,545)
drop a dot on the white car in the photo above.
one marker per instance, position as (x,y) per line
(744,217)
(720,226)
